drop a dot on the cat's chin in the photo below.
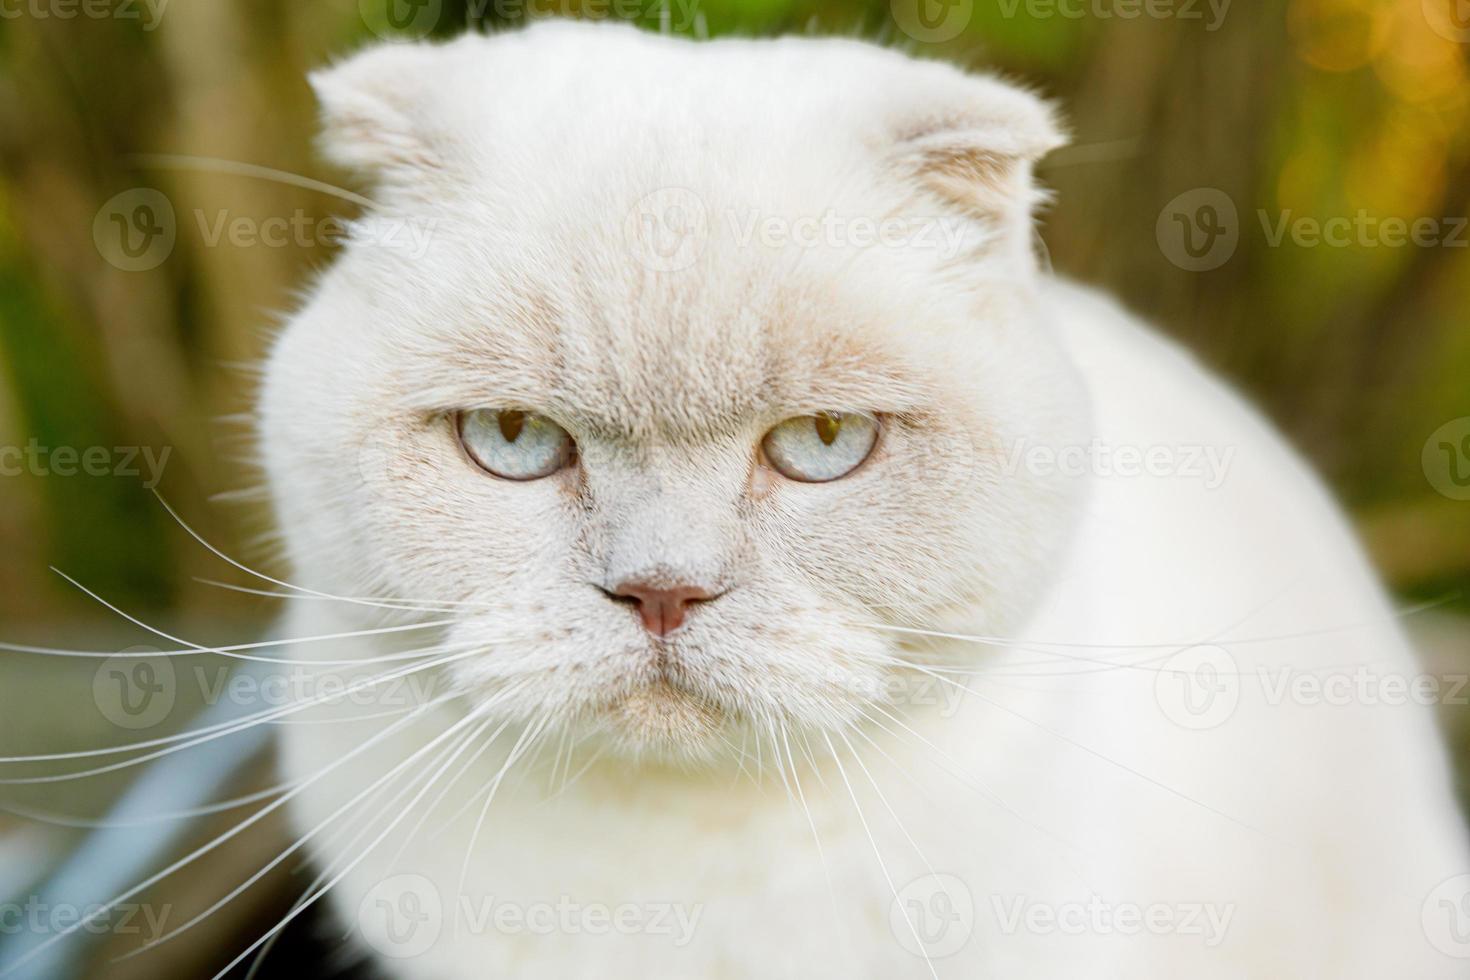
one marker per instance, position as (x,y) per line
(662,722)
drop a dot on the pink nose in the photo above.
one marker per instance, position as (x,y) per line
(662,610)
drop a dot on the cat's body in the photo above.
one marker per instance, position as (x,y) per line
(1098,804)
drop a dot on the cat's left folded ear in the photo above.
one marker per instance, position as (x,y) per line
(971,139)
(372,110)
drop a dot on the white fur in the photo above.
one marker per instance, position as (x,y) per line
(1314,834)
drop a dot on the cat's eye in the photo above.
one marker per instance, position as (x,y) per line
(821,447)
(515,445)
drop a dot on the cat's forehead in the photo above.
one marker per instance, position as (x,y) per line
(645,234)
(650,354)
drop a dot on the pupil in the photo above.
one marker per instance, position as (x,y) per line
(511,424)
(827,424)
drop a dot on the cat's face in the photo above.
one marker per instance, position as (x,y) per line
(546,397)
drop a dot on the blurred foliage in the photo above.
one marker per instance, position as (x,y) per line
(1319,108)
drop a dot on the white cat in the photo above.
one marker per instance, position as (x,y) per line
(724,379)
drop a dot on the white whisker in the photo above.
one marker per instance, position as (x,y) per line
(211,732)
(341,874)
(231,650)
(218,841)
(877,853)
(301,842)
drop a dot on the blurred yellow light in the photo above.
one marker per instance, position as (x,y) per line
(1338,35)
(1401,171)
(1418,65)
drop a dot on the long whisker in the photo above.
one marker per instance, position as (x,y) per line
(568,782)
(1096,754)
(195,646)
(84,823)
(302,841)
(218,841)
(468,765)
(252,572)
(528,735)
(368,810)
(367,851)
(937,757)
(356,824)
(230,650)
(877,853)
(816,837)
(221,729)
(1074,859)
(410,605)
(1110,665)
(884,800)
(1243,641)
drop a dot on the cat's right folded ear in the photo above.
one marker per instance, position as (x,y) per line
(373,113)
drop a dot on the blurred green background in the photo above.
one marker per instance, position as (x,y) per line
(1292,110)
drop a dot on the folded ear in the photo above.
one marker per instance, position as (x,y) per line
(972,142)
(374,112)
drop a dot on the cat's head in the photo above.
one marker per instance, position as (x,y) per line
(552,378)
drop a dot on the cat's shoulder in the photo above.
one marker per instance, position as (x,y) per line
(1143,382)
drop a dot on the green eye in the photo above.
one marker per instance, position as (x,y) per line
(515,445)
(821,447)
